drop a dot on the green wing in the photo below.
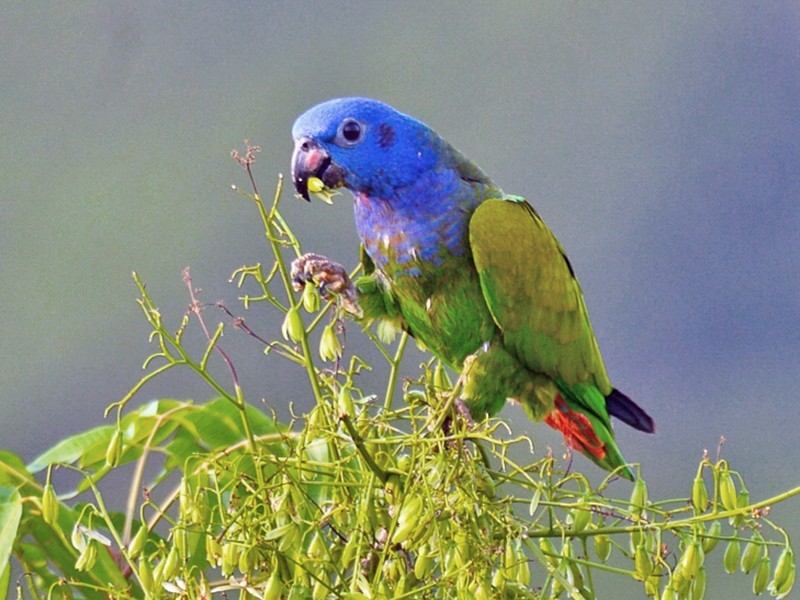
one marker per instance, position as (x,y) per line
(533,294)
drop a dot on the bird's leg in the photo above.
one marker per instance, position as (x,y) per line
(330,278)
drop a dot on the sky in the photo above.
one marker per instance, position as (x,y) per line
(660,142)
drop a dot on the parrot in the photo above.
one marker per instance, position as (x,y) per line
(471,273)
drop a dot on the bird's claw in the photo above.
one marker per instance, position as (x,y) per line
(330,277)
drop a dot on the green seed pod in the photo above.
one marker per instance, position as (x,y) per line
(463,549)
(349,552)
(410,510)
(637,537)
(185,500)
(316,548)
(230,558)
(299,591)
(680,584)
(392,489)
(581,517)
(651,586)
(727,490)
(273,589)
(248,560)
(391,570)
(781,591)
(319,591)
(699,585)
(534,505)
(481,592)
(742,501)
(699,495)
(344,402)
(575,574)
(638,497)
(158,575)
(213,550)
(523,574)
(88,557)
(146,575)
(668,593)
(783,567)
(404,463)
(137,543)
(761,578)
(293,328)
(114,450)
(509,561)
(289,538)
(602,546)
(587,594)
(180,541)
(423,565)
(449,566)
(731,559)
(170,564)
(441,380)
(330,348)
(692,559)
(404,530)
(711,540)
(546,546)
(499,579)
(642,563)
(557,588)
(310,298)
(751,554)
(415,397)
(50,504)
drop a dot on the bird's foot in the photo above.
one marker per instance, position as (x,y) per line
(330,278)
(462,410)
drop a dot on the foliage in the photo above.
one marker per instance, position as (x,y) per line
(358,498)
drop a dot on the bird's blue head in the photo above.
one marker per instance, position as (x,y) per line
(364,145)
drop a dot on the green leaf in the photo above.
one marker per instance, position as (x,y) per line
(14,473)
(214,426)
(10,515)
(88,448)
(72,448)
(5,581)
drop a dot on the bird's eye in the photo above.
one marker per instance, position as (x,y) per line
(351,131)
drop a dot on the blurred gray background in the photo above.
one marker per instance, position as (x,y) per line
(660,141)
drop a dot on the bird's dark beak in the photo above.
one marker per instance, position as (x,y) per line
(311,160)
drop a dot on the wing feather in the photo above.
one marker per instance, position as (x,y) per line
(533,295)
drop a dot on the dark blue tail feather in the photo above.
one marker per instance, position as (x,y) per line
(627,411)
